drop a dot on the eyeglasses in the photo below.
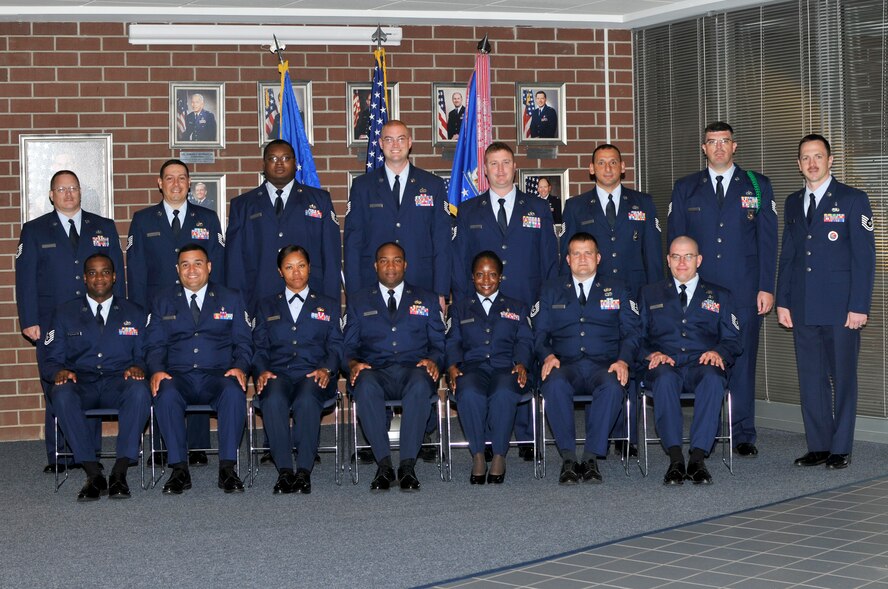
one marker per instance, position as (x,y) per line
(391,140)
(279,158)
(686,257)
(64,189)
(721,142)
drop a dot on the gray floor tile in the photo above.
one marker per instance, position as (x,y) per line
(866,573)
(714,579)
(745,569)
(816,565)
(836,582)
(760,584)
(519,577)
(553,569)
(669,572)
(586,559)
(479,584)
(797,550)
(560,583)
(772,560)
(788,575)
(635,582)
(594,575)
(821,542)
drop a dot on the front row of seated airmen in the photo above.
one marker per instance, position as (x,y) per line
(198,344)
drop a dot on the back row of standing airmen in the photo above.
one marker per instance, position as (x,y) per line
(828,245)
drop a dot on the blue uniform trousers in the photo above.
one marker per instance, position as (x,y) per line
(130,397)
(708,385)
(741,381)
(396,382)
(821,351)
(487,399)
(306,400)
(197,387)
(583,377)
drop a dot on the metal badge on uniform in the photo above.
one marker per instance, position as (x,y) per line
(637,216)
(223,315)
(200,233)
(832,235)
(320,315)
(101,241)
(419,309)
(610,304)
(635,236)
(314,212)
(530,220)
(510,315)
(833,217)
(710,305)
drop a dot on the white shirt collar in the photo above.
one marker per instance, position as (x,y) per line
(818,194)
(726,176)
(587,284)
(272,191)
(106,306)
(690,284)
(183,210)
(399,290)
(63,219)
(602,196)
(296,305)
(200,295)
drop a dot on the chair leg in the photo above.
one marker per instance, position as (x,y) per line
(449,456)
(644,437)
(542,425)
(58,452)
(353,438)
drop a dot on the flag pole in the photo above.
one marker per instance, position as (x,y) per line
(379,37)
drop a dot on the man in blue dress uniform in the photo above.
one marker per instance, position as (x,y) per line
(691,336)
(587,338)
(519,228)
(198,351)
(277,213)
(732,216)
(543,119)
(94,356)
(394,349)
(156,235)
(625,225)
(200,124)
(827,271)
(49,268)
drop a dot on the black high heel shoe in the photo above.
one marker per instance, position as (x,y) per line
(496,479)
(478,479)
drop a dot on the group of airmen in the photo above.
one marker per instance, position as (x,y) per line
(499,300)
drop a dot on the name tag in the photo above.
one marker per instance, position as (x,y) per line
(657,306)
(223,315)
(693,209)
(510,316)
(470,227)
(749,202)
(376,205)
(47,245)
(320,316)
(424,200)
(255,216)
(314,213)
(168,318)
(153,234)
(200,233)
(558,306)
(710,305)
(588,222)
(273,318)
(637,216)
(833,217)
(610,304)
(531,222)
(128,331)
(73,333)
(420,310)
(369,313)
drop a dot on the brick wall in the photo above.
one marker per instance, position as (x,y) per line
(87,78)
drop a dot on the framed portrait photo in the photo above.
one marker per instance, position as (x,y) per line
(208,190)
(359,104)
(541,113)
(270,106)
(197,115)
(448,111)
(87,155)
(550,184)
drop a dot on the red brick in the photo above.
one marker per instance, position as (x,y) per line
(32,432)
(126,74)
(31,74)
(32,105)
(103,59)
(9,58)
(16,90)
(77,44)
(8,29)
(145,59)
(194,59)
(98,29)
(79,74)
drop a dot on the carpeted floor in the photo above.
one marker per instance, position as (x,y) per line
(347,537)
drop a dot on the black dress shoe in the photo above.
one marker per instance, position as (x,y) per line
(161,459)
(569,474)
(812,459)
(478,479)
(746,449)
(93,488)
(837,461)
(675,475)
(117,487)
(51,468)
(525,453)
(302,484)
(197,459)
(229,481)
(591,474)
(385,476)
(285,483)
(428,454)
(620,447)
(266,457)
(698,473)
(364,456)
(179,481)
(407,478)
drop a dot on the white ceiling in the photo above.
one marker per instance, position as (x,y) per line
(621,14)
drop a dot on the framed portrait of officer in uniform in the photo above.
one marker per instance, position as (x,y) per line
(271,107)
(87,155)
(541,113)
(448,111)
(208,190)
(549,184)
(361,105)
(197,115)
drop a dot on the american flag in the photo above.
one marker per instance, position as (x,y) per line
(378,112)
(181,111)
(356,108)
(442,116)
(271,111)
(527,97)
(530,185)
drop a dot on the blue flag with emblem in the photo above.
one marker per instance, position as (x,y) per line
(293,131)
(464,174)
